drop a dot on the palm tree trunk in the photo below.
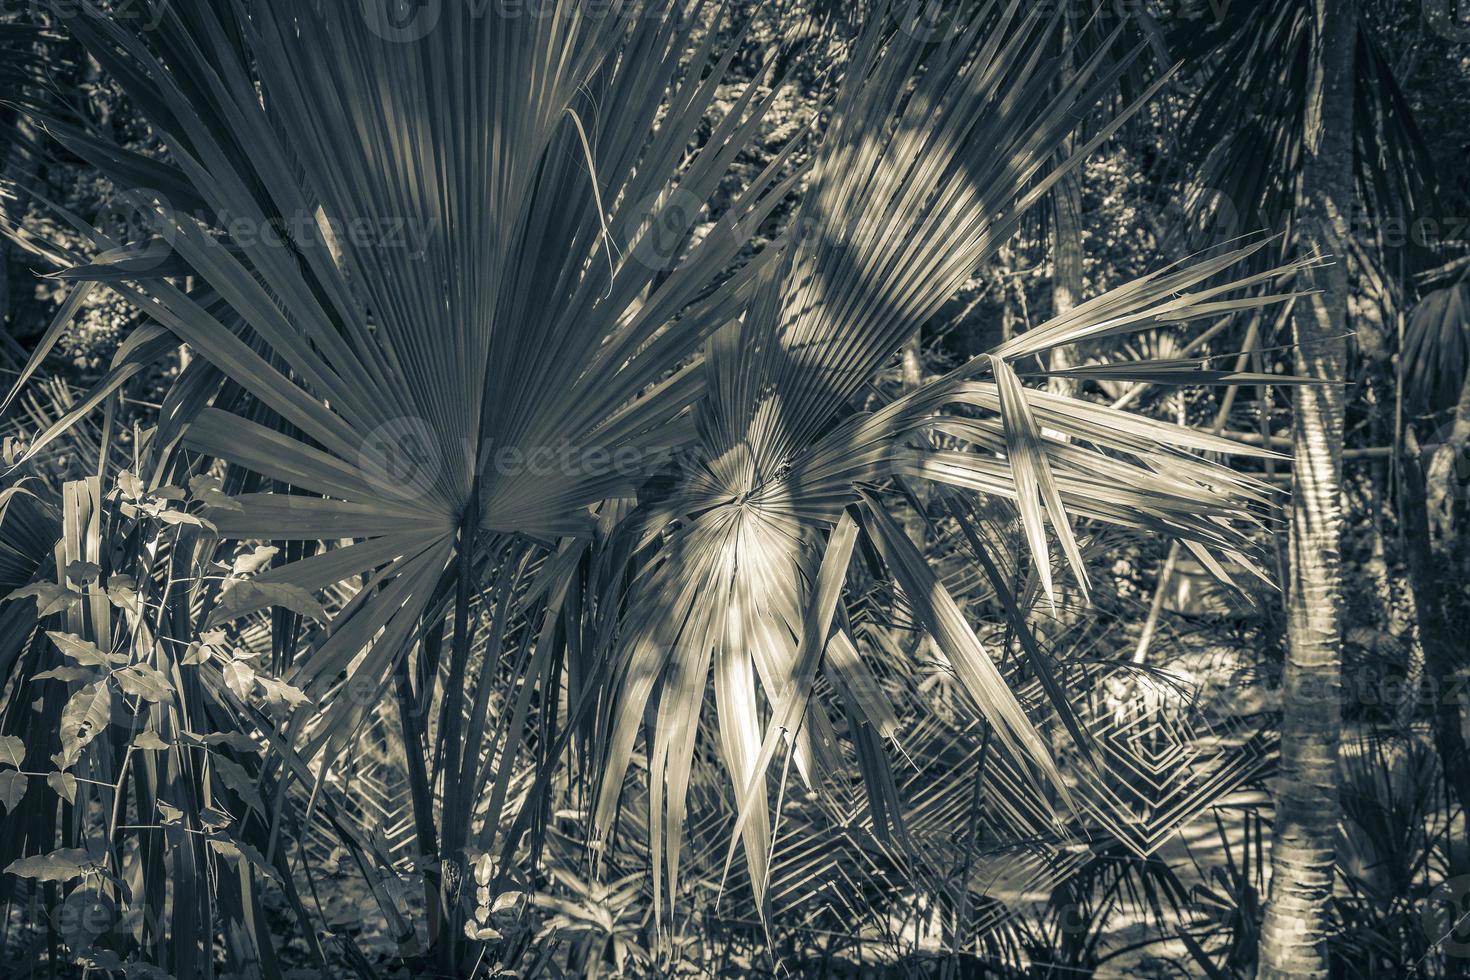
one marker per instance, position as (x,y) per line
(1066,283)
(1066,271)
(912,366)
(1294,934)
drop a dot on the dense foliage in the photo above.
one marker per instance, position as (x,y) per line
(660,487)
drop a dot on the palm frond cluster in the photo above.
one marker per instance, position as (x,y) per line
(520,521)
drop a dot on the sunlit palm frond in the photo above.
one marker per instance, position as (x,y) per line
(460,318)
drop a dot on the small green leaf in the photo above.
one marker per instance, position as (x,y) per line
(123,594)
(66,674)
(83,918)
(50,597)
(244,597)
(130,485)
(239,678)
(238,741)
(145,682)
(82,651)
(229,847)
(86,714)
(12,789)
(12,750)
(280,692)
(221,501)
(203,484)
(148,741)
(254,561)
(65,785)
(179,517)
(82,572)
(233,775)
(63,864)
(215,819)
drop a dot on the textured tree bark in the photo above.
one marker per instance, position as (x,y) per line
(1066,281)
(912,365)
(1066,246)
(1294,934)
(1066,293)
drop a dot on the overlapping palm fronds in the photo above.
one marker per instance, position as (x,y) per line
(780,456)
(1437,347)
(469,351)
(1246,131)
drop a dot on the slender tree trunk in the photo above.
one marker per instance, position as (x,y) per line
(1066,270)
(1066,282)
(913,379)
(1294,934)
(1066,293)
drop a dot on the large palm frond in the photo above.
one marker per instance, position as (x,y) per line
(914,183)
(426,269)
(1247,130)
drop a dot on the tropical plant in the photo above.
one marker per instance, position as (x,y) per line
(1291,99)
(1296,921)
(540,442)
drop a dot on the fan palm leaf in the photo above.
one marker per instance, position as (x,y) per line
(898,211)
(555,291)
